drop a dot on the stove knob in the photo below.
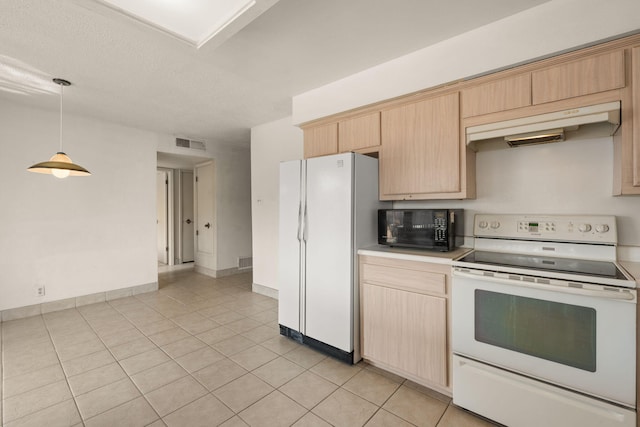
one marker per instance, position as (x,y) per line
(584,228)
(602,228)
(483,224)
(495,224)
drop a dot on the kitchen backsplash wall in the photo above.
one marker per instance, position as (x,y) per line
(570,177)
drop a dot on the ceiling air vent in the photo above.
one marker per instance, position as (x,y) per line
(188,143)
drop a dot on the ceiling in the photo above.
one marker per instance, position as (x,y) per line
(127,72)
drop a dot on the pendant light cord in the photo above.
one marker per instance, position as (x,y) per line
(61,89)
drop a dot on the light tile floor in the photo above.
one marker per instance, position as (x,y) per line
(198,352)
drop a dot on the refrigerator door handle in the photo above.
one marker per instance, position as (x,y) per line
(300,222)
(305,231)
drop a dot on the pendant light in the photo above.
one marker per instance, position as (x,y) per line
(60,165)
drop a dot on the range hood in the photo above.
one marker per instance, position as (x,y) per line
(548,127)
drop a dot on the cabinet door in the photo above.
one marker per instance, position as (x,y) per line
(500,95)
(359,132)
(420,148)
(405,330)
(595,74)
(321,140)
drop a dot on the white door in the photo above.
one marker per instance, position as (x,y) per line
(289,246)
(162,215)
(328,234)
(188,219)
(205,200)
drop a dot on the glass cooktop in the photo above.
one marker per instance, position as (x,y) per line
(602,269)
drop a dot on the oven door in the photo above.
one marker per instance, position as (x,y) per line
(580,339)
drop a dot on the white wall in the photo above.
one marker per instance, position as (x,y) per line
(271,144)
(80,235)
(233,206)
(549,28)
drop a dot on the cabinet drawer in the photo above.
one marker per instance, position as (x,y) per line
(424,282)
(590,75)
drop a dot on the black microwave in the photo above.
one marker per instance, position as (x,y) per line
(435,229)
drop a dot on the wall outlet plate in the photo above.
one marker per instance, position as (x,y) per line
(39,290)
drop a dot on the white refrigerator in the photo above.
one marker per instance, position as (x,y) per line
(328,209)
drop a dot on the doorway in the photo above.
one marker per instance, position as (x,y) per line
(162,216)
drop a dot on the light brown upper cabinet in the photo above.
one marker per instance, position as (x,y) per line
(502,94)
(597,73)
(635,147)
(359,133)
(421,151)
(321,140)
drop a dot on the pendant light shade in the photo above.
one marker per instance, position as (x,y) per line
(60,165)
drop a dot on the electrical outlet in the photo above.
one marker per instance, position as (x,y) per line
(40,291)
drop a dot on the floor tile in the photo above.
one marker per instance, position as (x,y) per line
(96,378)
(156,327)
(118,338)
(199,359)
(343,408)
(32,380)
(383,418)
(227,317)
(100,400)
(132,348)
(335,371)
(35,400)
(415,407)
(260,334)
(303,355)
(234,422)
(311,420)
(219,373)
(168,336)
(158,376)
(204,412)
(277,408)
(134,413)
(233,345)
(29,362)
(281,345)
(215,335)
(308,389)
(456,417)
(243,325)
(87,363)
(243,392)
(175,395)
(182,347)
(215,310)
(371,386)
(278,371)
(253,357)
(142,361)
(195,323)
(62,414)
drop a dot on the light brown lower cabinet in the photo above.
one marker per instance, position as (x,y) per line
(404,308)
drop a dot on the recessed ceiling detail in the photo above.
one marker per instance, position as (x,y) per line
(193,21)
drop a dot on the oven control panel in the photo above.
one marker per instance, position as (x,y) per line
(571,228)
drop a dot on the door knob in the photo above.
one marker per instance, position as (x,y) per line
(188,221)
(207,225)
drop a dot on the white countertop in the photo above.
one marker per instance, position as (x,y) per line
(632,268)
(409,254)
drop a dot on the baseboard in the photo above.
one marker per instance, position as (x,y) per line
(221,273)
(264,290)
(79,301)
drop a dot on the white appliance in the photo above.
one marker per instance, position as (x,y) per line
(549,127)
(328,209)
(544,323)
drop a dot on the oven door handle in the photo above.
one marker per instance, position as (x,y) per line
(485,276)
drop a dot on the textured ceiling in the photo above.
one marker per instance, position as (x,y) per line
(126,72)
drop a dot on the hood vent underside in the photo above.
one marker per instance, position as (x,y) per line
(550,127)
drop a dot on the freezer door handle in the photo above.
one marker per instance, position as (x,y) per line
(300,222)
(305,231)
